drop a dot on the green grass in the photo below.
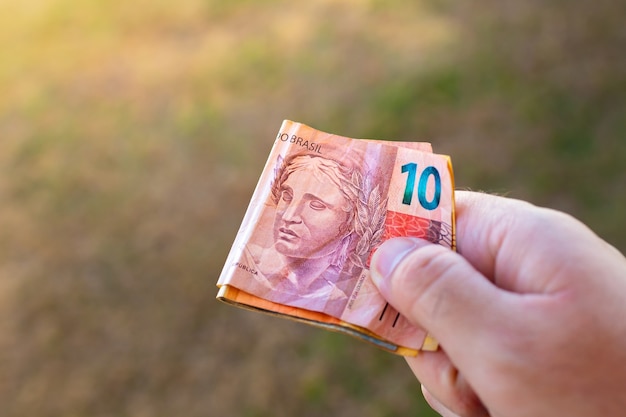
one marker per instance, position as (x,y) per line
(132,135)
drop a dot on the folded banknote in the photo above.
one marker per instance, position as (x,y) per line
(322,206)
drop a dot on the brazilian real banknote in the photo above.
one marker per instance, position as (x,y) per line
(323,205)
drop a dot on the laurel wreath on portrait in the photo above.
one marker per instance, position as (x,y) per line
(369,219)
(279,168)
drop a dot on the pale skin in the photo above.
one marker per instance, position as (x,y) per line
(530,313)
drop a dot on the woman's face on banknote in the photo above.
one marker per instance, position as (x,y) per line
(309,216)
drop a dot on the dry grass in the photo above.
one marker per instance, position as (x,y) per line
(132,135)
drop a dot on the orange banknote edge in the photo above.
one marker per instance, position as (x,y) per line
(238,298)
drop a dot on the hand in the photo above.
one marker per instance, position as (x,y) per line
(530,313)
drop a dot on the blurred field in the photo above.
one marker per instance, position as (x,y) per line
(132,135)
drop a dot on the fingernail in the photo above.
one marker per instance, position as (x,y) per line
(390,254)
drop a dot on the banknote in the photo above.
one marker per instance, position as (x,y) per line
(322,206)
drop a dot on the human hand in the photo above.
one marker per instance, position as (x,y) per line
(530,313)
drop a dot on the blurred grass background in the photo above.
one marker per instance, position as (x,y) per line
(132,135)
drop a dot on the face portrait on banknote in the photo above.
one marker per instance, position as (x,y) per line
(323,220)
(312,212)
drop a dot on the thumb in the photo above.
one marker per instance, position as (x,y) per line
(437,289)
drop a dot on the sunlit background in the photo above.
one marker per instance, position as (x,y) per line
(132,134)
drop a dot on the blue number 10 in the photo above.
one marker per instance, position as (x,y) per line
(411,168)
